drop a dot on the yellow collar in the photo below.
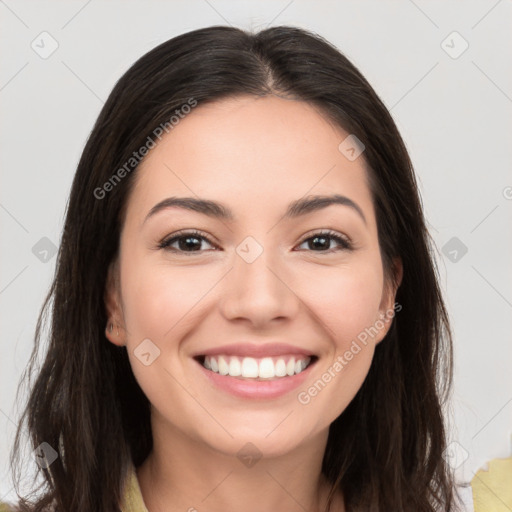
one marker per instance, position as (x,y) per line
(132,497)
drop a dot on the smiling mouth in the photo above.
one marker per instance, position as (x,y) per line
(251,368)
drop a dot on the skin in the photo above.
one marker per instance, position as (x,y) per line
(255,155)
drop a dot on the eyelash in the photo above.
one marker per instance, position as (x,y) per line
(345,243)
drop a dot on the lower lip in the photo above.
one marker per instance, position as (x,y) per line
(257,389)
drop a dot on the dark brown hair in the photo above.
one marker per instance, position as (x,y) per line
(385,451)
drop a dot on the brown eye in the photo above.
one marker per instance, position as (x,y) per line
(185,242)
(321,242)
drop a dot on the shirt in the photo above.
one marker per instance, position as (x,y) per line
(132,498)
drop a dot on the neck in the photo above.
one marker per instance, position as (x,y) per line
(184,474)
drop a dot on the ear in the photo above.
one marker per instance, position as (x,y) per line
(114,330)
(388,307)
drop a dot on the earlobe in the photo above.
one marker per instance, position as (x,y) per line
(392,284)
(114,314)
(398,268)
(383,324)
(389,306)
(112,334)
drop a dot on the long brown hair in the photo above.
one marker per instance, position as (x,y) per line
(385,451)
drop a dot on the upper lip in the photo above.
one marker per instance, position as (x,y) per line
(255,350)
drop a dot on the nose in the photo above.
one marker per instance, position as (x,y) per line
(258,292)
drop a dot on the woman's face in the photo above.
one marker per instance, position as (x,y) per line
(255,288)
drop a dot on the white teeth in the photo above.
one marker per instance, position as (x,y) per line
(280,368)
(267,370)
(235,368)
(223,366)
(290,366)
(251,368)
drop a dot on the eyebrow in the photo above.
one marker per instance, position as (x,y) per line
(217,210)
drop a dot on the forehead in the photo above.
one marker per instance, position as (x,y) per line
(266,150)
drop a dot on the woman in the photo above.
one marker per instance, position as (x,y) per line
(245,312)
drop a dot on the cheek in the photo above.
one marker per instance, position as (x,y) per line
(157,300)
(347,299)
(346,303)
(159,305)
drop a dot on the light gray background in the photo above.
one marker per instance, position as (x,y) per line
(454,114)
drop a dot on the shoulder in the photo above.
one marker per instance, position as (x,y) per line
(491,488)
